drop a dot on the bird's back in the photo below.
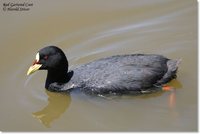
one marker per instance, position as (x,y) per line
(120,74)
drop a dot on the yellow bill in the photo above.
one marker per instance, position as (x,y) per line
(33,68)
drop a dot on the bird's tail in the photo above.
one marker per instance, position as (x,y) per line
(171,72)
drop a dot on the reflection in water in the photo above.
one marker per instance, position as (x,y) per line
(175,84)
(172,97)
(57,105)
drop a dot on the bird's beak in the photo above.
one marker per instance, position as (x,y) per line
(35,65)
(33,68)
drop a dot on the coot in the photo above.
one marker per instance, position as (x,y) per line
(120,74)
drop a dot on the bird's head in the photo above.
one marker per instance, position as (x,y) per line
(49,58)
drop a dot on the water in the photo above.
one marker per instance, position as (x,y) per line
(89,30)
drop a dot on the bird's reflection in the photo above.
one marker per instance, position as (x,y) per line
(171,97)
(57,105)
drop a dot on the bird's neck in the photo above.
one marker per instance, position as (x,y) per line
(56,75)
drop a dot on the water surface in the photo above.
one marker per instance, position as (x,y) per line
(89,30)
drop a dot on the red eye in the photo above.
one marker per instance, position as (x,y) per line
(45,57)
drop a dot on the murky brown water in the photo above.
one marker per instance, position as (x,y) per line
(88,30)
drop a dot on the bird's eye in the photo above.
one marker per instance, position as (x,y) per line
(46,57)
